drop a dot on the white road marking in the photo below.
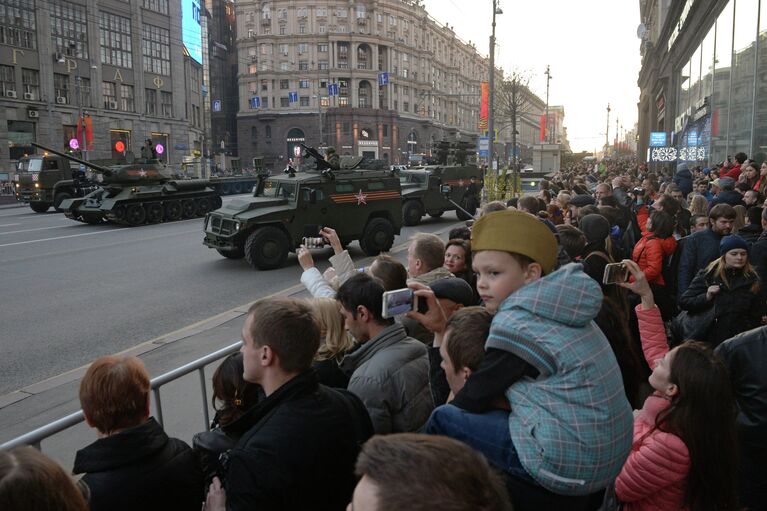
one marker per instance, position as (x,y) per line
(8,225)
(29,230)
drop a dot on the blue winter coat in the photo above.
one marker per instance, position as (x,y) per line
(683,179)
(700,248)
(572,425)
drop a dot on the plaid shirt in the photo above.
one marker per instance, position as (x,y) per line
(572,425)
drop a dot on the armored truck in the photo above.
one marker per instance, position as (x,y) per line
(421,191)
(360,204)
(47,180)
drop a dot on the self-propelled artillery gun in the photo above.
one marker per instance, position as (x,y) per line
(138,193)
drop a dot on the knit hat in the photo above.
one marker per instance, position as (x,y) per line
(516,232)
(582,200)
(732,242)
(716,183)
(726,183)
(595,227)
(455,289)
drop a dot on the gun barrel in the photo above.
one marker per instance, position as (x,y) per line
(97,168)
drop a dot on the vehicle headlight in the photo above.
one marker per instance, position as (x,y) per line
(37,185)
(18,185)
(237,226)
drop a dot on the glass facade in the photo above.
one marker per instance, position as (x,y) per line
(722,89)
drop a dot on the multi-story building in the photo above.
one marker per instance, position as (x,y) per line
(120,66)
(699,82)
(400,79)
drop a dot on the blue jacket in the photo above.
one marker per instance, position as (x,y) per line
(683,179)
(700,248)
(572,425)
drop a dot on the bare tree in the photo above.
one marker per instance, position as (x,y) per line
(512,100)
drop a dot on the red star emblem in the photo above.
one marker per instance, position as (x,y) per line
(361,198)
(142,173)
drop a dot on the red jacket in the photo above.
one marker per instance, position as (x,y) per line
(649,253)
(734,173)
(655,473)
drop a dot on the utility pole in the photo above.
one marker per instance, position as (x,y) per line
(491,85)
(546,131)
(607,132)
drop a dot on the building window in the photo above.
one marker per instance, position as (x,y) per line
(252,68)
(360,12)
(30,82)
(303,84)
(264,101)
(303,47)
(264,84)
(268,131)
(7,80)
(254,134)
(304,100)
(284,102)
(406,106)
(109,93)
(284,66)
(195,78)
(282,30)
(69,29)
(322,65)
(127,101)
(346,128)
(303,65)
(301,12)
(61,87)
(322,12)
(302,29)
(322,48)
(385,130)
(282,13)
(17,23)
(342,13)
(284,49)
(115,40)
(156,47)
(150,101)
(266,49)
(167,104)
(160,6)
(284,84)
(323,29)
(83,91)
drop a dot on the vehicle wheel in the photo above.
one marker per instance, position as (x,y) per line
(216,202)
(92,218)
(188,208)
(119,213)
(469,208)
(378,236)
(437,214)
(237,253)
(266,248)
(172,211)
(236,188)
(154,212)
(225,188)
(203,206)
(135,214)
(59,198)
(39,207)
(412,212)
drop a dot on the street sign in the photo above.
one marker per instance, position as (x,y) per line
(692,139)
(216,105)
(293,97)
(383,79)
(657,138)
(484,147)
(332,89)
(255,102)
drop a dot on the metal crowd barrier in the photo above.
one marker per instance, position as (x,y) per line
(35,437)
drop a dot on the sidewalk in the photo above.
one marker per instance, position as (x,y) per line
(43,402)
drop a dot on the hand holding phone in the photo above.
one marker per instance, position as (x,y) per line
(615,273)
(399,301)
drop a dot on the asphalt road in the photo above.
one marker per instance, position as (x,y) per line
(70,292)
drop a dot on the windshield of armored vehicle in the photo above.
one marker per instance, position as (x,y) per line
(278,190)
(31,165)
(407,177)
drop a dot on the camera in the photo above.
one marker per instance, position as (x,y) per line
(401,301)
(638,191)
(313,242)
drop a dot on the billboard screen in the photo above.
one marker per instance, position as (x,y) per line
(191,29)
(657,138)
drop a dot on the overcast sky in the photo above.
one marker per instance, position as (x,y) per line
(591,46)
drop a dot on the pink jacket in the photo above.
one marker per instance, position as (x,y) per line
(654,475)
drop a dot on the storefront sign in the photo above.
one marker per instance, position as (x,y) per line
(657,138)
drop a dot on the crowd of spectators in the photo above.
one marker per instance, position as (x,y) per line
(598,346)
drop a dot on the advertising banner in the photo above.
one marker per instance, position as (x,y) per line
(484,105)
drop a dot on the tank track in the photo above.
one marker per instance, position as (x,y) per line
(136,212)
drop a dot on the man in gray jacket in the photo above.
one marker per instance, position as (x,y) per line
(389,371)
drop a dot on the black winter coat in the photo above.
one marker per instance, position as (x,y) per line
(736,307)
(730,197)
(746,358)
(301,450)
(700,248)
(140,468)
(758,256)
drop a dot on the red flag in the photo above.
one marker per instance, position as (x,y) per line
(484,106)
(542,136)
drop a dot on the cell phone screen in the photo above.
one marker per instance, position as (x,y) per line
(615,272)
(398,302)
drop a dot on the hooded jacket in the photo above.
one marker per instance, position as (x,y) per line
(390,374)
(140,468)
(683,179)
(650,253)
(571,426)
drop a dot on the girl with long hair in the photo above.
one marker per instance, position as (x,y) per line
(761,183)
(699,206)
(336,342)
(684,452)
(731,286)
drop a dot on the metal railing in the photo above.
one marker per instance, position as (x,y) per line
(35,437)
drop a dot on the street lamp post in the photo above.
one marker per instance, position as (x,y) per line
(546,131)
(607,131)
(491,84)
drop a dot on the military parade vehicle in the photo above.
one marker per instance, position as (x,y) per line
(422,187)
(48,180)
(138,193)
(360,204)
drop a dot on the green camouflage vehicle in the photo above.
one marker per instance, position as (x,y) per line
(422,187)
(364,205)
(48,180)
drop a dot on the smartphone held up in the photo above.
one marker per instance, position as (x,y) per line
(615,273)
(401,301)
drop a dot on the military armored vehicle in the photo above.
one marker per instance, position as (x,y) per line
(48,180)
(138,193)
(360,204)
(422,187)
